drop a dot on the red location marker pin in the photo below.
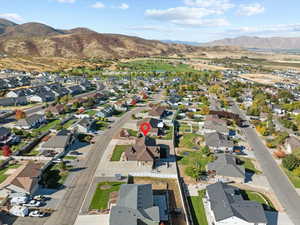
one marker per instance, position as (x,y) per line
(145,128)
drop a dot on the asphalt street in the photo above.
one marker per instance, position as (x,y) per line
(279,182)
(68,210)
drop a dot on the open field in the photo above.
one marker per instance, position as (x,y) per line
(265,78)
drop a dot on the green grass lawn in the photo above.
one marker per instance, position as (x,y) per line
(188,141)
(91,112)
(132,133)
(260,198)
(294,179)
(101,195)
(117,153)
(154,65)
(48,126)
(197,209)
(184,128)
(168,134)
(69,123)
(3,176)
(248,164)
(100,125)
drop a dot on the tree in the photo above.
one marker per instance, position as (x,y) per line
(205,110)
(20,114)
(291,162)
(6,150)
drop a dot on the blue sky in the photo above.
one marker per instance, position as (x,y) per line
(186,20)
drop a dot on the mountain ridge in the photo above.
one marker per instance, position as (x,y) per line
(268,43)
(37,39)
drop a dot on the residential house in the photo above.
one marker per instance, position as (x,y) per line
(217,141)
(58,143)
(278,110)
(6,137)
(13,101)
(25,178)
(214,124)
(145,151)
(121,106)
(32,121)
(227,206)
(136,205)
(291,144)
(226,167)
(157,126)
(106,112)
(84,125)
(57,109)
(158,112)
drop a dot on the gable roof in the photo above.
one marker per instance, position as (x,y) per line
(25,177)
(30,120)
(135,206)
(293,142)
(57,142)
(217,139)
(226,201)
(4,131)
(144,149)
(225,165)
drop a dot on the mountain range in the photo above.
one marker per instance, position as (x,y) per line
(36,39)
(272,43)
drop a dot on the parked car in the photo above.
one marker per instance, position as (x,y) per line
(36,213)
(33,203)
(19,211)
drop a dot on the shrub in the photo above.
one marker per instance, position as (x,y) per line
(291,162)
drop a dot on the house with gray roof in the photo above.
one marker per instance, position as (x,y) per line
(292,144)
(226,167)
(228,207)
(135,206)
(58,143)
(33,121)
(218,141)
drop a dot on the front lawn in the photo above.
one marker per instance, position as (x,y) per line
(249,166)
(69,123)
(3,176)
(118,151)
(101,195)
(260,198)
(189,141)
(294,179)
(197,209)
(48,126)
(168,133)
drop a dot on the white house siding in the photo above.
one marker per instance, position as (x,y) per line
(11,94)
(35,99)
(234,221)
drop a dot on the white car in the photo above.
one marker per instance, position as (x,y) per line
(36,213)
(33,203)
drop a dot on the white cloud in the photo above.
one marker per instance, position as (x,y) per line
(251,9)
(11,16)
(189,16)
(222,5)
(123,6)
(66,1)
(98,5)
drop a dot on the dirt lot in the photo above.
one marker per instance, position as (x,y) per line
(265,78)
(159,186)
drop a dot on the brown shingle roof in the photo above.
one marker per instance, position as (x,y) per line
(25,177)
(145,149)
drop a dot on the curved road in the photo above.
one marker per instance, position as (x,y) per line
(284,190)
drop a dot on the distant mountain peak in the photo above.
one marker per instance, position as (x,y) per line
(268,43)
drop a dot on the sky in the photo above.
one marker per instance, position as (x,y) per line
(184,20)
